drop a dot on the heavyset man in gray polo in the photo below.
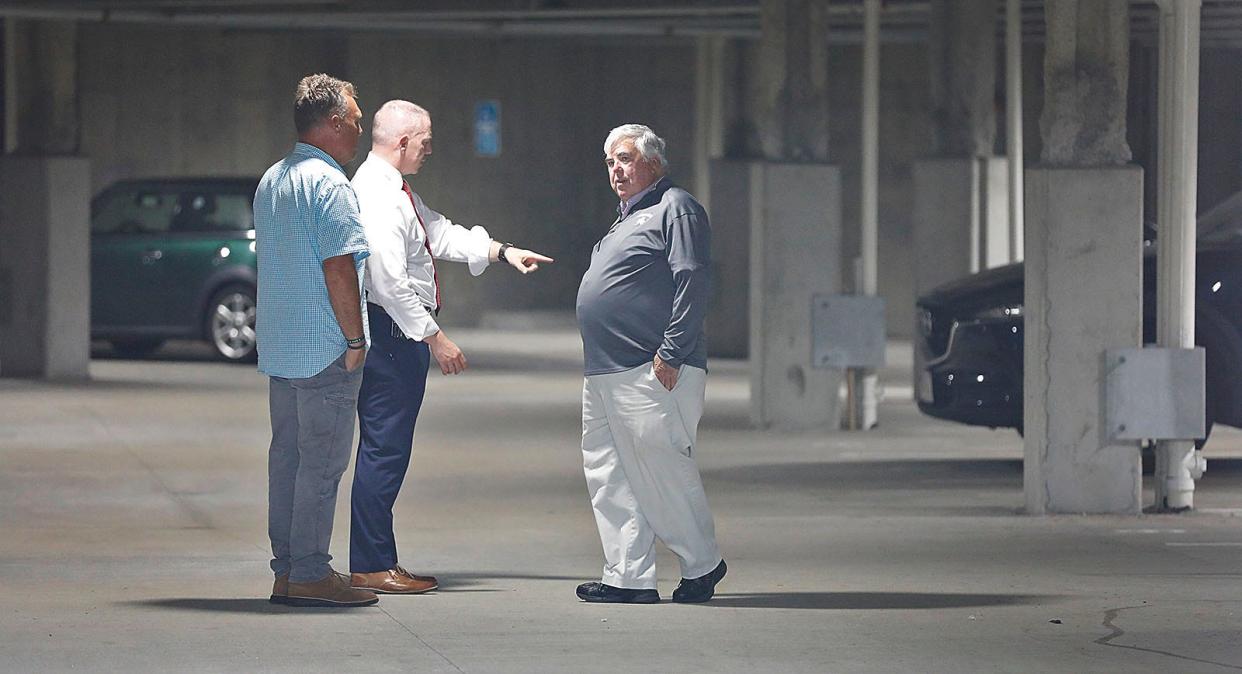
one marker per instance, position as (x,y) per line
(640,309)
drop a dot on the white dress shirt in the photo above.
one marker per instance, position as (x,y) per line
(400,271)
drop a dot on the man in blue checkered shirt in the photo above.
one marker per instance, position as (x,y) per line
(312,342)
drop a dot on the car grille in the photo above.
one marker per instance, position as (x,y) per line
(934,329)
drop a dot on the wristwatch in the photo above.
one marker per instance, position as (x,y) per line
(500,255)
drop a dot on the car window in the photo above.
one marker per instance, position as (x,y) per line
(134,211)
(203,211)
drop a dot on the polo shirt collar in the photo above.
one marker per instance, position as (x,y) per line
(308,150)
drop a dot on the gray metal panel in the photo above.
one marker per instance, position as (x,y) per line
(847,331)
(1154,393)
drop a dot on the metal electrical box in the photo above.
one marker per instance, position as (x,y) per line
(847,331)
(1154,393)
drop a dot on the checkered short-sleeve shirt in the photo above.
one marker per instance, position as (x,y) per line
(305,212)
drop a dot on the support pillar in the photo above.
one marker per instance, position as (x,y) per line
(44,208)
(1083,231)
(1178,465)
(1013,124)
(862,404)
(44,267)
(795,238)
(961,212)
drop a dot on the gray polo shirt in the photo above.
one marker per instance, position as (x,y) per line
(647,287)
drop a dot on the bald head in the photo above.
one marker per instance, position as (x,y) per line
(395,119)
(401,134)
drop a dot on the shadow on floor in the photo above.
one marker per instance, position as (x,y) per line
(855,601)
(469,580)
(905,474)
(221,605)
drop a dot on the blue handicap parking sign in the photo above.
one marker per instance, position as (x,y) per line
(487,128)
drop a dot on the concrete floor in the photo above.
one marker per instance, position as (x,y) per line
(132,538)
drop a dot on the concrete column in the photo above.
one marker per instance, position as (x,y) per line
(947,226)
(959,210)
(962,59)
(994,217)
(44,208)
(795,219)
(1083,231)
(41,83)
(793,77)
(1086,71)
(723,187)
(44,267)
(794,254)
(708,113)
(1013,124)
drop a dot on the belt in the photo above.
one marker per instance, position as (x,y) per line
(396,329)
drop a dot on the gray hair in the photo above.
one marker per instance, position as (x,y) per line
(318,98)
(649,145)
(394,119)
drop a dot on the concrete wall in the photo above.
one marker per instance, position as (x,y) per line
(219,103)
(166,101)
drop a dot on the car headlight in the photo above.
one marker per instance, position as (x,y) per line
(1014,311)
(925,321)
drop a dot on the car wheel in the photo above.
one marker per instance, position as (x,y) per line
(136,347)
(230,324)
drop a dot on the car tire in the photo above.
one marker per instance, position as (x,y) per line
(136,347)
(228,323)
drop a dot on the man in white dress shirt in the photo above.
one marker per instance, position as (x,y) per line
(403,298)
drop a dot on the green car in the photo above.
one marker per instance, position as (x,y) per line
(175,259)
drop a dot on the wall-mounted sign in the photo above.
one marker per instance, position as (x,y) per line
(487,128)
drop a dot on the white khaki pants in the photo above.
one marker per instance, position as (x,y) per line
(638,457)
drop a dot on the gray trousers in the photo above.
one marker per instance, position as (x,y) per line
(312,435)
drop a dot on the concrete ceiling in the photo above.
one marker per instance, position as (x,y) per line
(902,20)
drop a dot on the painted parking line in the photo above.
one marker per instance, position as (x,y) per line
(1210,544)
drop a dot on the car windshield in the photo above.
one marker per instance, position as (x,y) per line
(1223,222)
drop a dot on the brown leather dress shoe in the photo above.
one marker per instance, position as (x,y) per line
(280,590)
(332,590)
(394,581)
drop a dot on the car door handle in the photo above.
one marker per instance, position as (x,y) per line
(152,256)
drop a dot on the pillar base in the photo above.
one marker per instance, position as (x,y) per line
(795,250)
(961,218)
(1083,233)
(45,267)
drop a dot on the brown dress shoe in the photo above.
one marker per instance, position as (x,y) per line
(280,590)
(331,590)
(394,581)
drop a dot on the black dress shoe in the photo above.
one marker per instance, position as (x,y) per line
(698,590)
(599,592)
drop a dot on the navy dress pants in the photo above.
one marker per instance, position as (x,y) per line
(393,382)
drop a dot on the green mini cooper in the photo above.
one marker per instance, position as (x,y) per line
(174,259)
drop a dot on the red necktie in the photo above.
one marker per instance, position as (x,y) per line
(405,187)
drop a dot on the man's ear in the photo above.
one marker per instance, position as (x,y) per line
(404,143)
